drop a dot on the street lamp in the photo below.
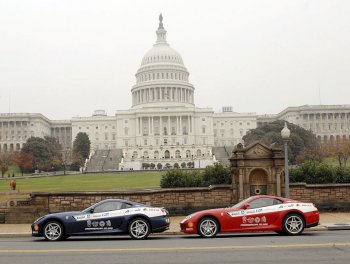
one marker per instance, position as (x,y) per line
(285,133)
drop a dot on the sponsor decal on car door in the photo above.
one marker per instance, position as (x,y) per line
(252,219)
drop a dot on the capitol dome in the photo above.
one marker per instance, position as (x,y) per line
(162,79)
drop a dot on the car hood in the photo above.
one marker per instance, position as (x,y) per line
(211,211)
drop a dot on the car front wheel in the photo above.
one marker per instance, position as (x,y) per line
(53,231)
(293,224)
(139,228)
(208,227)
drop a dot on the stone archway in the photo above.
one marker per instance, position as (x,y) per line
(258,180)
(256,169)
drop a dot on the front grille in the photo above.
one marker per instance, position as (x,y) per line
(182,226)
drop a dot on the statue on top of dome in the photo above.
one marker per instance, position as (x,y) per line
(160,21)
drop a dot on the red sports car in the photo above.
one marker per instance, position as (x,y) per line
(256,213)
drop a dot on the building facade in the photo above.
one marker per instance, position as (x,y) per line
(327,122)
(163,125)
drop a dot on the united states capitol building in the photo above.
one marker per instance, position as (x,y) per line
(163,125)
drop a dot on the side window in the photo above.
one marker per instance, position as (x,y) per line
(263,202)
(126,205)
(108,206)
(276,201)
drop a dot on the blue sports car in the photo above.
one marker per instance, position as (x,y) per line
(112,216)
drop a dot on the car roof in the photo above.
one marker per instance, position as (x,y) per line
(273,196)
(119,200)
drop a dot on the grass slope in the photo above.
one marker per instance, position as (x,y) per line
(86,182)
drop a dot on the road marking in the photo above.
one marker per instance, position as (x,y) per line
(170,248)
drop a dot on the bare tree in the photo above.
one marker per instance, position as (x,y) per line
(5,162)
(66,159)
(340,150)
(25,161)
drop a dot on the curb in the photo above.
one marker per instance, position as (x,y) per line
(13,235)
(341,226)
(173,233)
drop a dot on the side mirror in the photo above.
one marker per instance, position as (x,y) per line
(245,206)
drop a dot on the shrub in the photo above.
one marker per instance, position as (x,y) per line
(190,164)
(342,175)
(178,178)
(176,165)
(159,166)
(183,165)
(318,172)
(212,175)
(217,174)
(145,166)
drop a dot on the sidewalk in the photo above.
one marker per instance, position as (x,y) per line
(328,221)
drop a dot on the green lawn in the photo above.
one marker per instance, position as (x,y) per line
(86,182)
(333,161)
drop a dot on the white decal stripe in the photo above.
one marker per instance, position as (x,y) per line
(303,207)
(148,211)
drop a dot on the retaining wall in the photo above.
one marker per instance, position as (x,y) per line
(179,201)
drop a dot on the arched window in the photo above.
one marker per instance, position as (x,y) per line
(135,155)
(156,154)
(167,154)
(338,138)
(188,153)
(199,153)
(145,154)
(177,154)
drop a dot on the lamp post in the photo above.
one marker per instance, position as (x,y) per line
(285,133)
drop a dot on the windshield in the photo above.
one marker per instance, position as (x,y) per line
(239,205)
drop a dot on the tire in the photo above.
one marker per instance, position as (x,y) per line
(53,231)
(293,224)
(139,228)
(208,227)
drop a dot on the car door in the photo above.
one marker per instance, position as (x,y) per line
(257,213)
(261,214)
(107,217)
(103,218)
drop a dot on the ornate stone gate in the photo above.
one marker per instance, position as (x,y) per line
(256,169)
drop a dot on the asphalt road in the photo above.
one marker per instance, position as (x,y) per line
(311,247)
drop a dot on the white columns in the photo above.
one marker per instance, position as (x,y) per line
(180,126)
(160,126)
(169,125)
(188,124)
(149,125)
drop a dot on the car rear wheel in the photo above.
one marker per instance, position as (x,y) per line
(208,227)
(139,228)
(293,224)
(53,231)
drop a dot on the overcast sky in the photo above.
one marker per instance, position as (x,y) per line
(66,58)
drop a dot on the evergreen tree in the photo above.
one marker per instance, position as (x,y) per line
(302,143)
(81,145)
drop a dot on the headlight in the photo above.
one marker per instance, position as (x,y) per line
(37,220)
(190,216)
